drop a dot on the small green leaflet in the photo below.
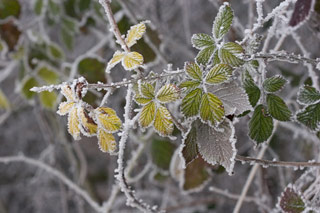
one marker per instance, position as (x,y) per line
(147,114)
(222,22)
(308,95)
(168,93)
(163,123)
(147,90)
(310,116)
(211,109)
(291,200)
(229,54)
(260,125)
(189,84)
(278,108)
(206,45)
(274,83)
(219,74)
(48,75)
(251,89)
(48,99)
(191,103)
(193,71)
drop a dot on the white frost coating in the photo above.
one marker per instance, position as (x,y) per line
(49,88)
(318,66)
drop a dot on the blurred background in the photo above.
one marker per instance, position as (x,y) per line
(46,42)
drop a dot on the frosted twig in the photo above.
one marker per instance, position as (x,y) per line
(55,173)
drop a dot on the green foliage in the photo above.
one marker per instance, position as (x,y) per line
(55,51)
(9,8)
(190,147)
(278,108)
(27,85)
(92,69)
(48,99)
(193,71)
(211,109)
(38,6)
(229,54)
(308,95)
(274,83)
(48,75)
(4,102)
(161,153)
(260,125)
(252,89)
(219,74)
(291,201)
(310,116)
(195,175)
(222,22)
(191,103)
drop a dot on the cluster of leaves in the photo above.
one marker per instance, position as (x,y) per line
(101,122)
(261,123)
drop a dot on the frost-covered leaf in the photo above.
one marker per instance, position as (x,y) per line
(189,85)
(65,107)
(291,201)
(48,75)
(73,123)
(217,145)
(55,51)
(147,114)
(68,93)
(191,103)
(190,149)
(4,102)
(132,60)
(260,125)
(88,126)
(48,99)
(141,99)
(168,93)
(202,40)
(107,119)
(106,141)
(229,54)
(251,89)
(310,116)
(301,12)
(211,109)
(195,176)
(161,153)
(233,97)
(27,85)
(222,22)
(205,55)
(218,74)
(116,58)
(274,83)
(38,5)
(147,90)
(278,108)
(135,33)
(193,71)
(163,123)
(308,95)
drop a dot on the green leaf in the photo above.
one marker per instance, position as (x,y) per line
(193,71)
(291,201)
(28,84)
(69,24)
(202,40)
(4,102)
(222,22)
(191,103)
(195,175)
(189,84)
(308,95)
(310,116)
(278,108)
(251,89)
(161,153)
(48,75)
(38,5)
(217,146)
(147,114)
(260,125)
(163,123)
(9,8)
(274,83)
(92,69)
(84,5)
(168,93)
(229,54)
(211,109)
(205,55)
(48,99)
(219,74)
(142,100)
(147,90)
(190,148)
(67,38)
(55,51)
(54,8)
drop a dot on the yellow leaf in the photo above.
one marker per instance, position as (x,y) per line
(132,60)
(65,107)
(147,114)
(68,93)
(163,122)
(168,93)
(107,143)
(142,100)
(107,119)
(135,33)
(73,123)
(4,103)
(117,57)
(89,127)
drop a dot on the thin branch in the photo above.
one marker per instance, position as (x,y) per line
(82,193)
